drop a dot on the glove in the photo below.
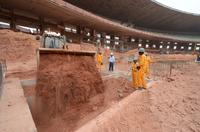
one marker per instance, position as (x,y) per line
(138,67)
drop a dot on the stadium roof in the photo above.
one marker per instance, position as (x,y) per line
(58,12)
(143,14)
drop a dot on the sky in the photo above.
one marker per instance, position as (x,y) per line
(191,6)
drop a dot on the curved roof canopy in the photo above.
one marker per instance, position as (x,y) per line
(143,14)
(57,13)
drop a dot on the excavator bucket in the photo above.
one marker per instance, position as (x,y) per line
(40,51)
(66,78)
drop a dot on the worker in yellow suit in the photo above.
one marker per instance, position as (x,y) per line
(99,59)
(148,62)
(135,73)
(142,69)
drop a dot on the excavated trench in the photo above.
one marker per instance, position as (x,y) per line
(69,92)
(101,111)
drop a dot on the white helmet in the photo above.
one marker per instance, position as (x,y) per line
(111,53)
(142,50)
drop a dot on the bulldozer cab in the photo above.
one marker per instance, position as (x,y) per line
(50,40)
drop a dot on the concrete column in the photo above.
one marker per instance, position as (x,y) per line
(150,45)
(41,26)
(62,28)
(112,41)
(157,45)
(93,35)
(179,46)
(37,31)
(103,39)
(13,21)
(80,33)
(41,29)
(122,40)
(13,25)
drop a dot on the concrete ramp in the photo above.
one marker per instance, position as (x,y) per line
(15,115)
(132,114)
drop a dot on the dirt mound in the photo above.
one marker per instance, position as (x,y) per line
(132,114)
(173,57)
(81,47)
(167,106)
(116,89)
(177,103)
(19,51)
(65,80)
(78,115)
(17,46)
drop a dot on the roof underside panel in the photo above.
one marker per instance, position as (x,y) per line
(57,12)
(143,14)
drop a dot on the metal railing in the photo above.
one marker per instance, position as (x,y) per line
(165,68)
(3,69)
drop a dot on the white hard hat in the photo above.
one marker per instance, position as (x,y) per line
(111,53)
(142,50)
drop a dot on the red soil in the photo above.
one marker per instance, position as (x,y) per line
(65,80)
(77,115)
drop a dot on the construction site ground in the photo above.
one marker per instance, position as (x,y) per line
(170,104)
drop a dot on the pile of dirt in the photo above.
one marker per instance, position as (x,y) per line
(17,46)
(81,47)
(132,114)
(176,103)
(66,80)
(127,54)
(117,89)
(19,51)
(77,115)
(173,57)
(165,107)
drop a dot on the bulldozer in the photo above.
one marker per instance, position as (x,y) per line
(55,43)
(58,74)
(53,40)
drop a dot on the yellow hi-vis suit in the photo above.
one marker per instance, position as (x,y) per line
(135,74)
(142,70)
(148,61)
(99,59)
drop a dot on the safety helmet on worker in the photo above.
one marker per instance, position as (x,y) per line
(111,53)
(142,50)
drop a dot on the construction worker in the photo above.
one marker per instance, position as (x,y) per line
(142,69)
(148,62)
(135,73)
(99,59)
(111,62)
